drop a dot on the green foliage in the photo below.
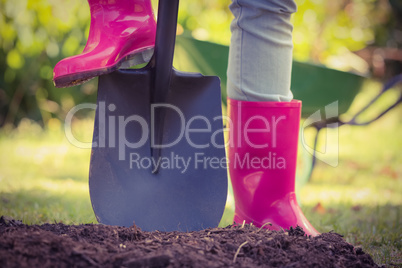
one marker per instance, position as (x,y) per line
(206,20)
(36,34)
(325,29)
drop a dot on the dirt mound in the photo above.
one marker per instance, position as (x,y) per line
(95,245)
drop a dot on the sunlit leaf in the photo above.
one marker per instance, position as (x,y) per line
(15,59)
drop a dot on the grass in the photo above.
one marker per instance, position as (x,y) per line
(43,178)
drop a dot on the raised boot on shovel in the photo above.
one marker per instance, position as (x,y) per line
(262,154)
(122,34)
(158,156)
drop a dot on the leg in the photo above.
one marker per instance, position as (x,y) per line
(260,56)
(264,120)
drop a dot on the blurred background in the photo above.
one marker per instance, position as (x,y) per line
(43,178)
(36,34)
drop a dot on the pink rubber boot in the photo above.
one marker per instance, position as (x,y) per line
(262,156)
(122,34)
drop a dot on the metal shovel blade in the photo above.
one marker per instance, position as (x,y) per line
(189,190)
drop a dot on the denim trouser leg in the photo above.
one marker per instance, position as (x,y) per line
(260,55)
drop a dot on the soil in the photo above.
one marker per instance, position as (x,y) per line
(96,245)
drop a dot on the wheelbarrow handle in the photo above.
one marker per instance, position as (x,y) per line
(387,86)
(336,122)
(164,48)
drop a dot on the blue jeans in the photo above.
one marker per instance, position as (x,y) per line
(260,54)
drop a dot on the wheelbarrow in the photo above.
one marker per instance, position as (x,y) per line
(326,93)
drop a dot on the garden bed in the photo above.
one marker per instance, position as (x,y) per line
(96,245)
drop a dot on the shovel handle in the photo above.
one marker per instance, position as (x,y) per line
(162,68)
(164,48)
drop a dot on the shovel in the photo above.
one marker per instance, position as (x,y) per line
(158,158)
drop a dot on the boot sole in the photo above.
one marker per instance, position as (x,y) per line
(126,62)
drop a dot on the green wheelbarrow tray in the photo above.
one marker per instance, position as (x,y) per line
(317,86)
